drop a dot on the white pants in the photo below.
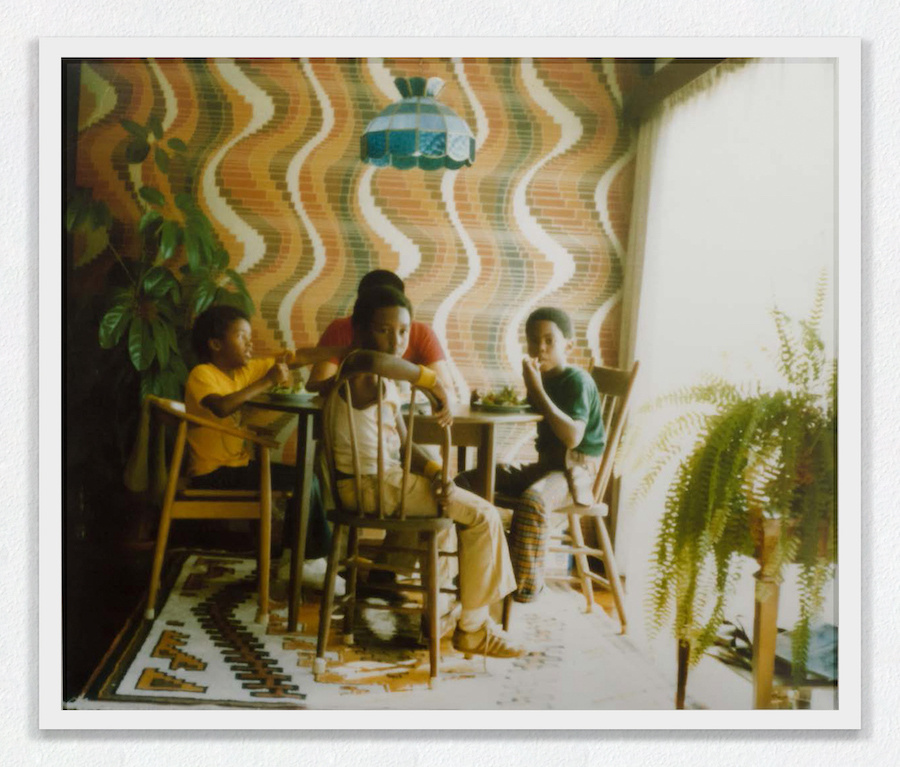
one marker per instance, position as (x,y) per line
(485,569)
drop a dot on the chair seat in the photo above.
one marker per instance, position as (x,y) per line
(597,510)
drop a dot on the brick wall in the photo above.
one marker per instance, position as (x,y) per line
(540,218)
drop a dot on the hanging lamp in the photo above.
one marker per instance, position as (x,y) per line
(417,131)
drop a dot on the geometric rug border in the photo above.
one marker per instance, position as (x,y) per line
(113,666)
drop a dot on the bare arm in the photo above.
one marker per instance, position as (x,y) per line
(317,356)
(398,369)
(443,373)
(277,375)
(322,376)
(224,405)
(568,430)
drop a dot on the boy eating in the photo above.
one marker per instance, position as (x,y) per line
(570,442)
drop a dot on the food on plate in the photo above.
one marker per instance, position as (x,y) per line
(505,397)
(296,387)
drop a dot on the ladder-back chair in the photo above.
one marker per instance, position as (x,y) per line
(615,388)
(362,555)
(182,502)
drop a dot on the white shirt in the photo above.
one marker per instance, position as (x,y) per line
(366,425)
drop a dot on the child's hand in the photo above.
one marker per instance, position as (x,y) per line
(531,372)
(443,414)
(443,494)
(279,374)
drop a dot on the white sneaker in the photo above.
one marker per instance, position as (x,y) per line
(313,573)
(314,576)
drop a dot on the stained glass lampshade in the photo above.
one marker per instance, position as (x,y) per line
(417,131)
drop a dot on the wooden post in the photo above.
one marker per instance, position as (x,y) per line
(684,654)
(765,613)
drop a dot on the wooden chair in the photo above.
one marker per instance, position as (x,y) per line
(615,387)
(182,502)
(360,555)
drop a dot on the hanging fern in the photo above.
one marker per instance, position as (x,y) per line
(754,453)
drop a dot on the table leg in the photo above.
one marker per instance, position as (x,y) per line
(305,469)
(486,461)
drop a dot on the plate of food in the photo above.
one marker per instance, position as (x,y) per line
(290,394)
(506,400)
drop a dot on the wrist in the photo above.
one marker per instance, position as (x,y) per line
(427,378)
(432,469)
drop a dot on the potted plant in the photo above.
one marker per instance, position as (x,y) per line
(760,471)
(130,338)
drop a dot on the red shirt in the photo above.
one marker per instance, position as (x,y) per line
(424,347)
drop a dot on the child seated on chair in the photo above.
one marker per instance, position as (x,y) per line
(570,442)
(381,320)
(227,377)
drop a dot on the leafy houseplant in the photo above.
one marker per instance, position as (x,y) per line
(150,313)
(131,338)
(759,457)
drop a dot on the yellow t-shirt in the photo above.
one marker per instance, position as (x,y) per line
(210,449)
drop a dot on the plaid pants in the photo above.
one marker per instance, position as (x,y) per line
(533,492)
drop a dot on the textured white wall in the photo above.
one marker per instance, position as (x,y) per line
(25,22)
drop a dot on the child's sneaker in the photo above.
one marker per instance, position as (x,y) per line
(314,576)
(488,641)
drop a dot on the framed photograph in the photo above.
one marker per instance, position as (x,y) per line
(628,268)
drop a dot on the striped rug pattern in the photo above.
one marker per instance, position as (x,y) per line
(541,218)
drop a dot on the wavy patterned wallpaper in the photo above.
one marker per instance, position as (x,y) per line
(540,218)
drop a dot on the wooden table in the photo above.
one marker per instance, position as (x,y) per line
(471,428)
(309,426)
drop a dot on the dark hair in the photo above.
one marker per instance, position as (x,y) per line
(380,278)
(557,316)
(371,300)
(213,323)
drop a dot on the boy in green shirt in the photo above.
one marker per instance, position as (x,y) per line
(570,442)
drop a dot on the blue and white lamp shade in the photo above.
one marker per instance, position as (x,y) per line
(418,131)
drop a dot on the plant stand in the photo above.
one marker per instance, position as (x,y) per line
(765,612)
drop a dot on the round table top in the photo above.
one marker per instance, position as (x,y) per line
(462,412)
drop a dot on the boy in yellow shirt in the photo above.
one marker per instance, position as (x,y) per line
(227,377)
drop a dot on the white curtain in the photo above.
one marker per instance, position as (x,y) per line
(734,213)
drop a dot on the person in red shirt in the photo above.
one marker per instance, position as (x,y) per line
(423,349)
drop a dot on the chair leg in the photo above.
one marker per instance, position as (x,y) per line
(432,608)
(612,570)
(327,601)
(159,554)
(581,563)
(265,536)
(507,610)
(351,576)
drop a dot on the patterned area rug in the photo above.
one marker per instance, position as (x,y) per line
(205,650)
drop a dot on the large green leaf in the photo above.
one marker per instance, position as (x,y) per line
(204,294)
(220,258)
(160,341)
(158,281)
(192,247)
(140,343)
(114,323)
(177,144)
(149,220)
(154,125)
(169,237)
(77,211)
(184,201)
(162,159)
(138,131)
(136,151)
(152,195)
(100,215)
(237,280)
(95,243)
